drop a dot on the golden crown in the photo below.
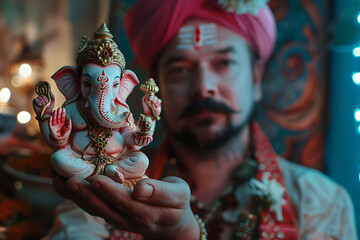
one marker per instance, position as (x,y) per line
(101,49)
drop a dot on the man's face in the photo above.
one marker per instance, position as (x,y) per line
(208,90)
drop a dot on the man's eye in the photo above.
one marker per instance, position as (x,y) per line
(227,62)
(178,73)
(224,65)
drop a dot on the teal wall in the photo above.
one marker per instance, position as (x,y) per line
(342,154)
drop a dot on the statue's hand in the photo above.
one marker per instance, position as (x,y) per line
(142,140)
(60,125)
(156,103)
(41,101)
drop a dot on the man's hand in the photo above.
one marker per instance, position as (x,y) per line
(154,209)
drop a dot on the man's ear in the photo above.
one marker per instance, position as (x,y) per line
(258,75)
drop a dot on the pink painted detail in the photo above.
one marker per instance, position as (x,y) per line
(197,38)
(103,78)
(101,104)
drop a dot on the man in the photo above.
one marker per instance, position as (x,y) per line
(208,61)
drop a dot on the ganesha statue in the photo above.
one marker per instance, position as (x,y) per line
(94,131)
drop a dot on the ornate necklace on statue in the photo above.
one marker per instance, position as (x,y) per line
(99,143)
(99,140)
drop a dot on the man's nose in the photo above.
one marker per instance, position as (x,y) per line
(205,83)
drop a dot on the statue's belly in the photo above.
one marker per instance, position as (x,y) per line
(81,140)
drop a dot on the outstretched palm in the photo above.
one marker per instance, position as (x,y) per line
(59,124)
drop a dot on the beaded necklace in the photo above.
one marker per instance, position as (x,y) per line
(245,228)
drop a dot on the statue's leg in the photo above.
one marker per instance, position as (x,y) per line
(114,173)
(128,168)
(132,164)
(68,163)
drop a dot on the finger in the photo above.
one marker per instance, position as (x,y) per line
(158,102)
(141,141)
(92,203)
(141,216)
(59,113)
(170,192)
(63,114)
(54,117)
(50,121)
(119,195)
(60,187)
(42,100)
(152,98)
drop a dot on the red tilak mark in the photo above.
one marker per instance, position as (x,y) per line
(197,40)
(102,78)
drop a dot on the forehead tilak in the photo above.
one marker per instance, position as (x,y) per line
(196,36)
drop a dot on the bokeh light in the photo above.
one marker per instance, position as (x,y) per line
(5,95)
(25,70)
(23,117)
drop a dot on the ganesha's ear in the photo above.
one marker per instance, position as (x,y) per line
(67,80)
(127,84)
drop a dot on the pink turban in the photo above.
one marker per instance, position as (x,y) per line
(151,24)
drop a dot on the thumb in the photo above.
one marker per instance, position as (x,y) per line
(169,192)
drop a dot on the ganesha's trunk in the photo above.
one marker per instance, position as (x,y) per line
(109,112)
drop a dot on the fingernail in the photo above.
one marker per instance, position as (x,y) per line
(147,191)
(74,187)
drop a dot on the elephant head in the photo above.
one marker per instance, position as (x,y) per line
(103,88)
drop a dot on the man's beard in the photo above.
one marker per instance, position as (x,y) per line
(222,137)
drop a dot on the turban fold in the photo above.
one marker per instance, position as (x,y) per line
(151,24)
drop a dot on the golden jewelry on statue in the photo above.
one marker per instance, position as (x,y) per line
(58,141)
(203,232)
(100,142)
(43,88)
(101,50)
(149,88)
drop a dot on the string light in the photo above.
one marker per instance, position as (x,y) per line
(5,95)
(356,52)
(23,117)
(25,70)
(357,114)
(356,78)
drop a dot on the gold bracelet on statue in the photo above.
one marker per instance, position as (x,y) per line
(58,141)
(203,232)
(41,118)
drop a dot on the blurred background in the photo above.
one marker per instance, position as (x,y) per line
(310,109)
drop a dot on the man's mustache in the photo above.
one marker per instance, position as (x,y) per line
(209,104)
